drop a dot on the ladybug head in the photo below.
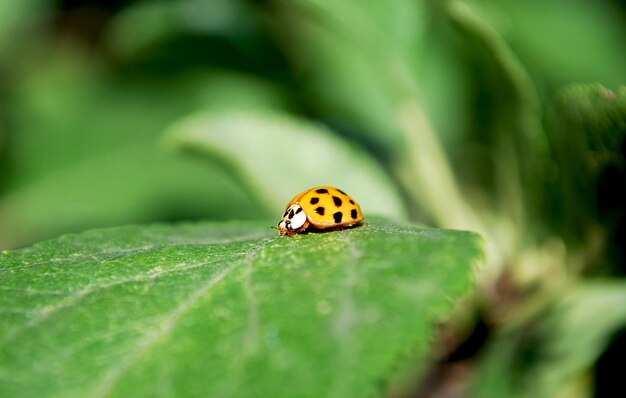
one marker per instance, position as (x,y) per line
(293,219)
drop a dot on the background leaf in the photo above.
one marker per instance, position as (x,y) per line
(564,41)
(83,148)
(588,126)
(226,309)
(15,20)
(137,183)
(355,61)
(276,156)
(506,121)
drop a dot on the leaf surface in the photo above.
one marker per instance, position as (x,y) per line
(226,309)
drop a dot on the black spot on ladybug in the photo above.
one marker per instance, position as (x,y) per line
(321,190)
(299,210)
(290,214)
(338,216)
(319,210)
(351,201)
(342,192)
(337,201)
(314,200)
(353,214)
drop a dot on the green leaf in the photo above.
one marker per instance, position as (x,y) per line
(554,354)
(226,309)
(277,156)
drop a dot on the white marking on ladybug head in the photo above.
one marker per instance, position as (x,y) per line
(294,218)
(299,218)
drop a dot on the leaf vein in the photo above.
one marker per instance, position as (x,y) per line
(73,299)
(110,380)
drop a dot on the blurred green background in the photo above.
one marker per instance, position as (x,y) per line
(503,117)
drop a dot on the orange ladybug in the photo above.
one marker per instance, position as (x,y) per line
(323,207)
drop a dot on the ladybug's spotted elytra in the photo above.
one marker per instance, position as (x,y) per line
(321,208)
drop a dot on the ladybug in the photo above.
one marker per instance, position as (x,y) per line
(325,208)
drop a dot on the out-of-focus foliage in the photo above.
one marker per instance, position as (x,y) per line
(589,135)
(304,152)
(551,356)
(563,41)
(504,117)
